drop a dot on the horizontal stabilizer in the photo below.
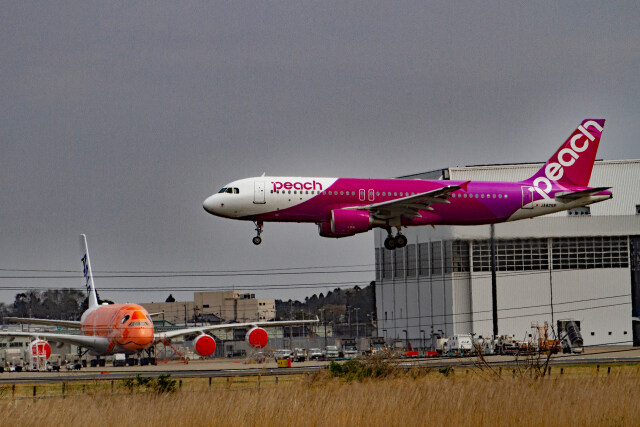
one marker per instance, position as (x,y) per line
(580,194)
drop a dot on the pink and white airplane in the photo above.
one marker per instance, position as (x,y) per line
(346,206)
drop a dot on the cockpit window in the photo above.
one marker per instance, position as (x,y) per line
(230,190)
(124,319)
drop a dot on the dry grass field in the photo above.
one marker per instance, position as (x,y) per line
(581,396)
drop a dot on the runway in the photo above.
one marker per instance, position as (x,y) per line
(238,368)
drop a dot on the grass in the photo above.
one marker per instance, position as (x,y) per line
(351,397)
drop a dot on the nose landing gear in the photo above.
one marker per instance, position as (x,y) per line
(257,239)
(398,242)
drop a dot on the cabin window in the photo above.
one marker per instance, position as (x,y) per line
(124,319)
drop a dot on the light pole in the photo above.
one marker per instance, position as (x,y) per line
(423,338)
(406,339)
(349,316)
(357,326)
(325,327)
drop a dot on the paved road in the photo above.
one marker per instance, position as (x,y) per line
(234,367)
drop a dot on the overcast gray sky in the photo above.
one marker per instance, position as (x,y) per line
(119,119)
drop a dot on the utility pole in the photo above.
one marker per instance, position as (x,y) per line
(325,327)
(494,286)
(357,326)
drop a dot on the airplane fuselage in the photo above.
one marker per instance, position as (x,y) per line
(298,199)
(118,328)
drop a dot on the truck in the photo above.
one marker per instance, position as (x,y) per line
(459,345)
(331,352)
(377,345)
(12,359)
(315,354)
(506,344)
(119,359)
(299,355)
(73,362)
(439,344)
(349,349)
(54,363)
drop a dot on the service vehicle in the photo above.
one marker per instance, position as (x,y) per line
(459,345)
(349,349)
(119,359)
(315,354)
(331,352)
(283,353)
(299,355)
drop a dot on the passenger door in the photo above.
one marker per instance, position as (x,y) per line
(258,193)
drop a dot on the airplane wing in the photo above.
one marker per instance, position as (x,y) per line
(79,340)
(168,335)
(409,206)
(567,197)
(49,322)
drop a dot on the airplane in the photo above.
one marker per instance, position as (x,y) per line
(127,328)
(343,207)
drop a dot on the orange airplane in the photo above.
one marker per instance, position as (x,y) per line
(127,328)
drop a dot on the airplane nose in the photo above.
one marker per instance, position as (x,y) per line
(209,204)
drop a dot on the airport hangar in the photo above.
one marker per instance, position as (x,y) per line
(582,264)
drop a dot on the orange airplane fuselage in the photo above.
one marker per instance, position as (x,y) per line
(127,327)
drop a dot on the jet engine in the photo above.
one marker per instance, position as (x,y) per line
(205,345)
(40,348)
(257,337)
(347,222)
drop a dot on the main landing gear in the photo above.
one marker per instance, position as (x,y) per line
(257,239)
(398,242)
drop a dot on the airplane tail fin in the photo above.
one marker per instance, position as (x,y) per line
(571,165)
(88,274)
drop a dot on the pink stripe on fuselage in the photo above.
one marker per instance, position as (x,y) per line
(485,205)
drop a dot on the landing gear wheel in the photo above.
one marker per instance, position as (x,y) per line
(257,240)
(390,243)
(401,241)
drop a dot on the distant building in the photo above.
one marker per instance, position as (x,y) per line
(582,264)
(223,306)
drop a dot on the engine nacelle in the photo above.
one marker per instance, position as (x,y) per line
(205,345)
(346,222)
(257,337)
(40,348)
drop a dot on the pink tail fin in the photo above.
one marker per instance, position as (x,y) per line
(571,165)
